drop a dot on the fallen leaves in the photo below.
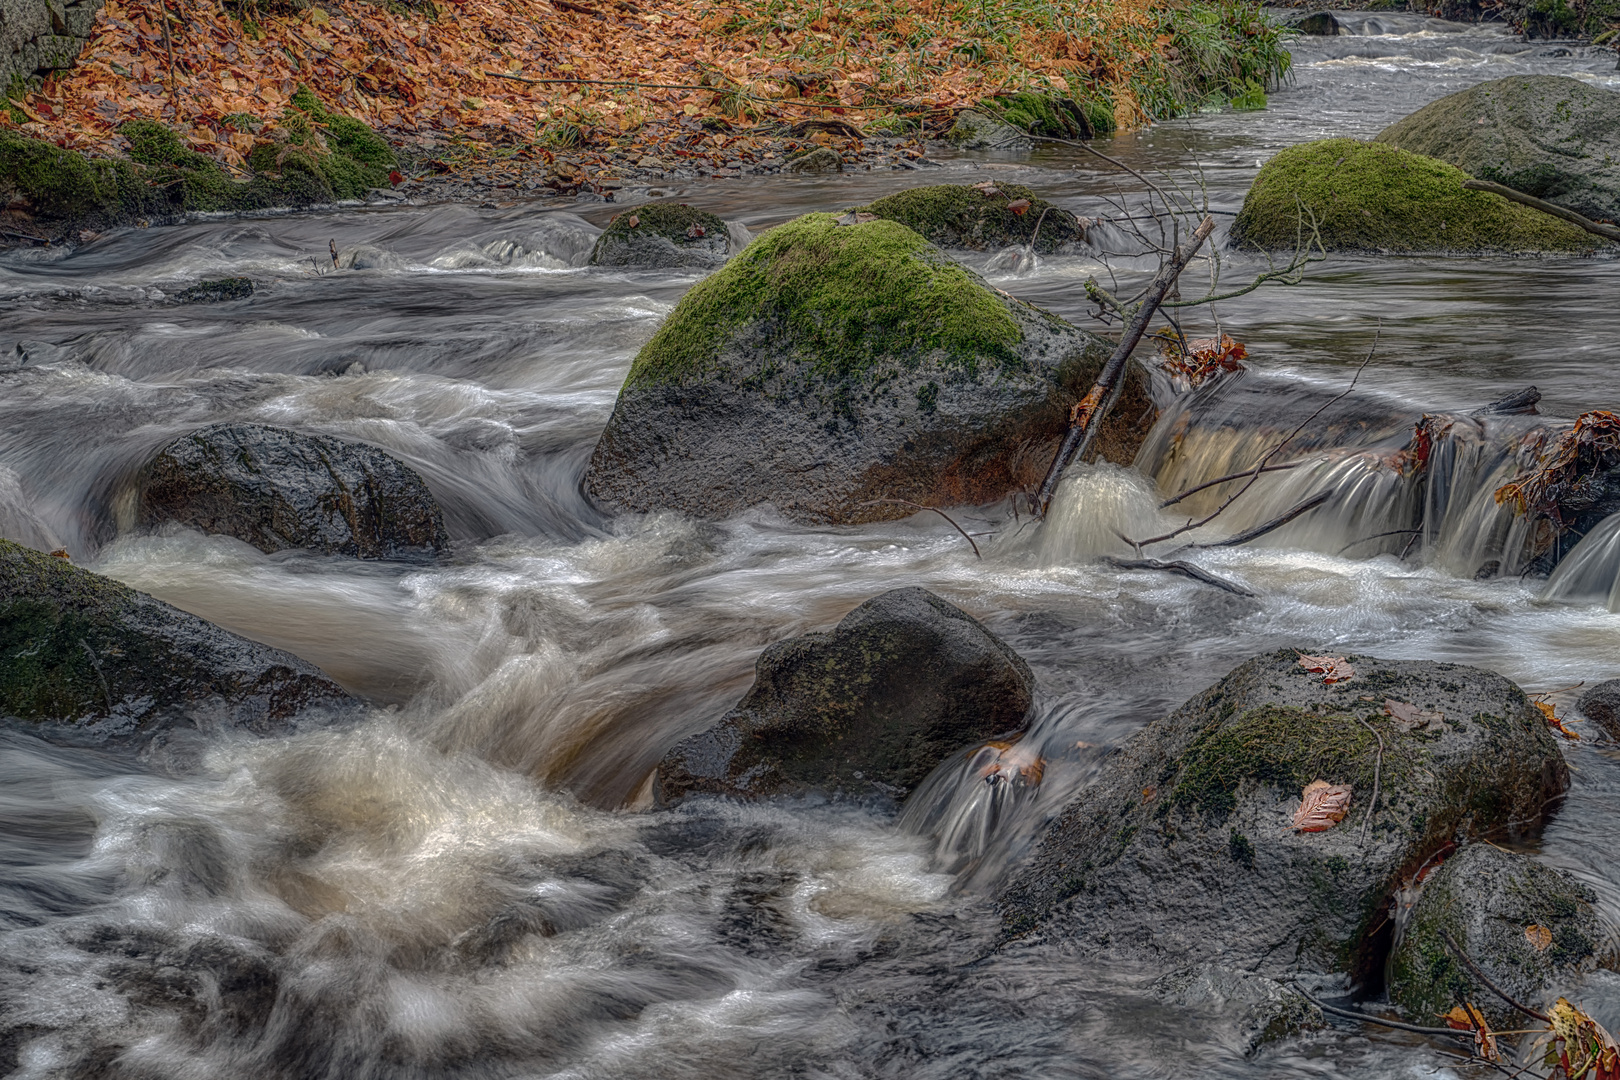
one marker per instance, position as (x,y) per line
(854,218)
(1321,806)
(1592,444)
(1538,936)
(1466,1017)
(1409,717)
(1549,712)
(1019,206)
(1195,362)
(1012,762)
(1581,1047)
(1333,669)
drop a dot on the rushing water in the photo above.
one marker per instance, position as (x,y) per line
(456,887)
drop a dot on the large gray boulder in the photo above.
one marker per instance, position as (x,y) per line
(1550,136)
(1530,928)
(84,659)
(1184,850)
(279,489)
(828,367)
(903,682)
(663,236)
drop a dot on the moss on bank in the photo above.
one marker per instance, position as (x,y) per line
(842,298)
(1374,197)
(957,215)
(314,157)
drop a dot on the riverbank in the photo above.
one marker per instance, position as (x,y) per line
(572,96)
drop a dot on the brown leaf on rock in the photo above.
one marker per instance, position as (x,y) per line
(1011,762)
(1019,206)
(1466,1017)
(1550,712)
(1321,806)
(1538,936)
(1333,669)
(632,221)
(1409,717)
(696,232)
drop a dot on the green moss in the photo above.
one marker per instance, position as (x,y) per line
(1037,114)
(1241,848)
(958,215)
(1286,749)
(839,299)
(673,221)
(58,183)
(1374,197)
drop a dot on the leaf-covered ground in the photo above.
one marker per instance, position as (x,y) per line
(545,72)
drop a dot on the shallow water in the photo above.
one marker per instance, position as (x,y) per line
(453,890)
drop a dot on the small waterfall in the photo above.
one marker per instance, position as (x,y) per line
(1591,570)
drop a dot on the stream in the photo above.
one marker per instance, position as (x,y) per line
(356,898)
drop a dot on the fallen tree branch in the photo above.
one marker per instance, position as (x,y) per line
(1608,232)
(1229,476)
(1445,935)
(935,509)
(1275,523)
(1088,415)
(1378,768)
(1185,569)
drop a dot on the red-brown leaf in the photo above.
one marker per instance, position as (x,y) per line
(1321,806)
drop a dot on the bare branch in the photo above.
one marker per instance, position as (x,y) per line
(1184,568)
(935,509)
(1230,476)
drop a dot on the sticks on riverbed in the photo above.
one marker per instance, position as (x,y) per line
(1608,232)
(1087,416)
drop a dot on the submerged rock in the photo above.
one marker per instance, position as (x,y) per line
(1529,927)
(1550,136)
(279,489)
(960,216)
(663,236)
(217,291)
(85,659)
(1260,1010)
(1379,198)
(1184,849)
(1601,705)
(902,683)
(827,366)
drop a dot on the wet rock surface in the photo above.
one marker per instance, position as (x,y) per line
(974,130)
(871,707)
(818,161)
(1530,928)
(1601,705)
(981,218)
(1184,850)
(217,291)
(1259,1010)
(663,236)
(1550,136)
(279,489)
(84,659)
(828,367)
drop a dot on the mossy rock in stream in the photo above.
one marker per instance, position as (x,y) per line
(1374,197)
(1550,136)
(827,367)
(1184,850)
(962,216)
(85,659)
(313,156)
(663,236)
(1493,903)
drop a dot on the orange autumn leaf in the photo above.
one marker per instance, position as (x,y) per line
(1011,762)
(1466,1017)
(1550,713)
(1321,806)
(1333,669)
(1019,206)
(1538,936)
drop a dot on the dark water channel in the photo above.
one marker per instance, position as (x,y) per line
(352,903)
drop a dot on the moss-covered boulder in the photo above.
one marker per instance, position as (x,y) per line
(663,236)
(84,659)
(1375,197)
(1184,848)
(827,366)
(1550,136)
(975,130)
(279,489)
(978,218)
(1530,928)
(311,156)
(902,683)
(1050,116)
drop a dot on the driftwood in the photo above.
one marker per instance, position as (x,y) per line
(1185,569)
(1088,415)
(1608,232)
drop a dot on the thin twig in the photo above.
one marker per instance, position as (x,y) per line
(1275,523)
(1445,935)
(1223,479)
(1358,1015)
(1472,1059)
(1185,569)
(1379,536)
(935,509)
(1378,768)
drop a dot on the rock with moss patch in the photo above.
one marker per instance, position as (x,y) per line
(962,216)
(814,162)
(1184,849)
(1378,198)
(279,489)
(216,291)
(1049,116)
(663,236)
(903,682)
(1550,136)
(827,366)
(84,659)
(1530,928)
(1318,24)
(974,130)
(1256,1009)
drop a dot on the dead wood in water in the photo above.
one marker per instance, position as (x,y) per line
(1302,507)
(1608,232)
(1087,416)
(1185,569)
